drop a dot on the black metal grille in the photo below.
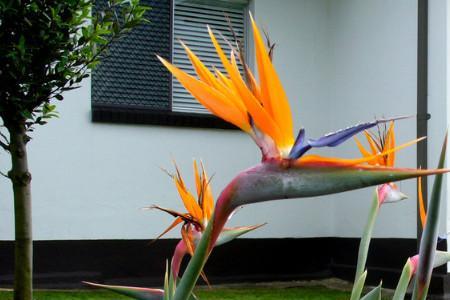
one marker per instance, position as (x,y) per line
(131,75)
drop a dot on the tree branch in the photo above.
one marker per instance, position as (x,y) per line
(4,146)
(4,175)
(4,137)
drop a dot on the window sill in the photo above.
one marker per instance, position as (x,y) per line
(127,115)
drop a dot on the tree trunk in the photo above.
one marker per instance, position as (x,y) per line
(21,181)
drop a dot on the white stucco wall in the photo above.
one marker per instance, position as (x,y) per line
(340,61)
(90,180)
(373,73)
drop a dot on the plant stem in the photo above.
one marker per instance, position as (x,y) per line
(364,244)
(21,182)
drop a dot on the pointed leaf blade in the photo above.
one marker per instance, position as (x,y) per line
(229,234)
(358,286)
(132,292)
(364,245)
(374,294)
(430,235)
(403,282)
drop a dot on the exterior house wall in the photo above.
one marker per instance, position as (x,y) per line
(369,66)
(373,66)
(340,61)
(91,180)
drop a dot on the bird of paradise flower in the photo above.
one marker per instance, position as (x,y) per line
(383,141)
(261,109)
(380,142)
(199,211)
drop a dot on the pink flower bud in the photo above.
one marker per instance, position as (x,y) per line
(388,193)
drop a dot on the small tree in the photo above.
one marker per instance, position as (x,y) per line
(46,48)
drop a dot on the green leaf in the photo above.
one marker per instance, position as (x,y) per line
(166,283)
(429,237)
(229,234)
(374,294)
(27,114)
(21,46)
(273,181)
(403,282)
(132,292)
(441,258)
(358,286)
(367,236)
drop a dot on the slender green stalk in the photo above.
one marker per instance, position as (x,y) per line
(358,286)
(367,236)
(364,248)
(21,182)
(195,266)
(403,282)
(428,242)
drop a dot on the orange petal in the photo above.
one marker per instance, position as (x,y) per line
(198,183)
(422,211)
(188,239)
(261,117)
(171,226)
(227,87)
(207,77)
(208,200)
(390,143)
(201,70)
(374,147)
(213,100)
(189,201)
(273,93)
(372,143)
(254,85)
(364,152)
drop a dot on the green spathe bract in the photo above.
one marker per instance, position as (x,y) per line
(430,234)
(275,181)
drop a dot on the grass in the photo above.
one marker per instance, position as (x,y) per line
(259,293)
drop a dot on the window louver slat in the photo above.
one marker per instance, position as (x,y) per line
(190,22)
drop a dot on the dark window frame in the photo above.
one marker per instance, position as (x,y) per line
(135,114)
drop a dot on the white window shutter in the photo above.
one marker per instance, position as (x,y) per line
(190,20)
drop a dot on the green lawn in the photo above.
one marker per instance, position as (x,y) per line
(307,293)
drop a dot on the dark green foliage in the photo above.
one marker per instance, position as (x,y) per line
(47,46)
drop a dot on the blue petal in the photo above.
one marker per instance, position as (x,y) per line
(332,139)
(338,137)
(300,147)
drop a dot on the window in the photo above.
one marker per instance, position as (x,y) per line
(132,86)
(190,21)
